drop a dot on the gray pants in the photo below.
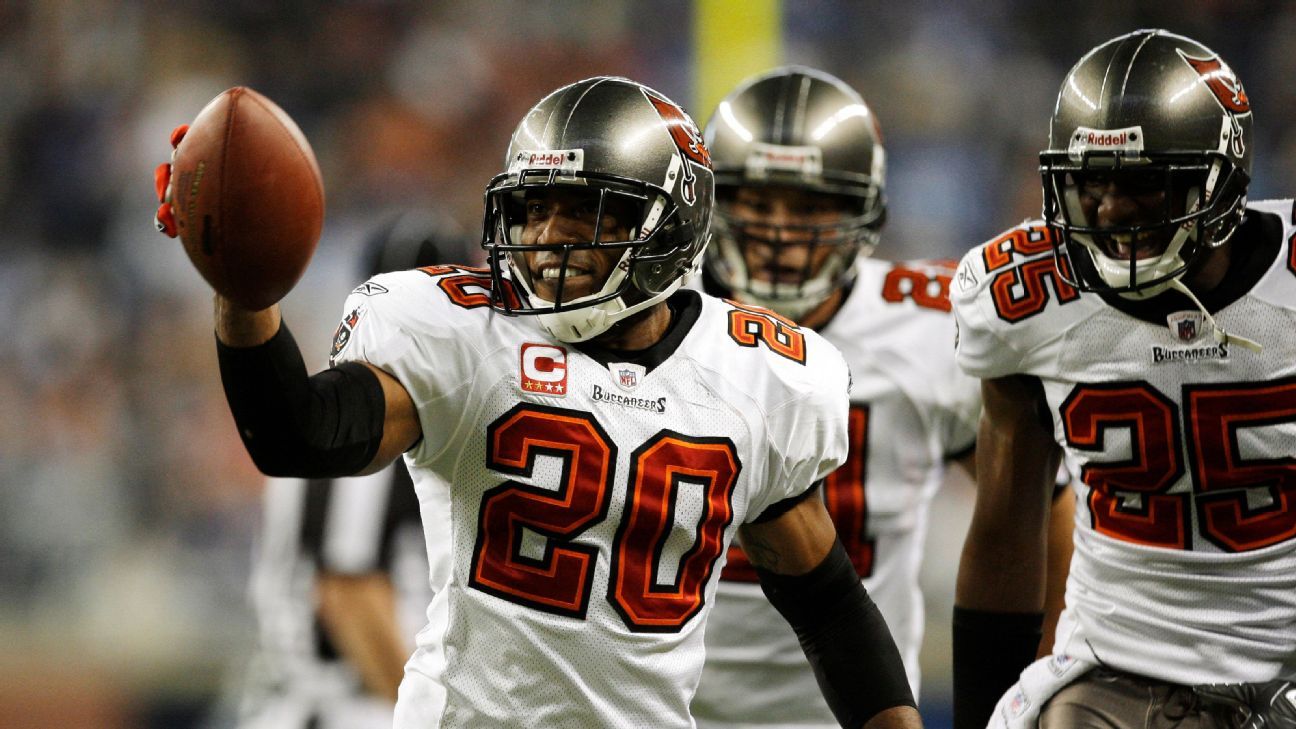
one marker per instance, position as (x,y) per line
(1105,699)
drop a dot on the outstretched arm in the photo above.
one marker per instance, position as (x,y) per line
(807,576)
(999,598)
(343,421)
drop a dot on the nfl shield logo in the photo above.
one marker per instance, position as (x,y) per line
(1060,663)
(627,378)
(1018,704)
(627,375)
(1186,325)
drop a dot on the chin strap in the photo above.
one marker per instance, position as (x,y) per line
(1221,336)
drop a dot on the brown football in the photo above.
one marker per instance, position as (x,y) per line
(247,197)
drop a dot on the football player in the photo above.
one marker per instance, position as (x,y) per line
(801,199)
(1144,328)
(340,575)
(590,458)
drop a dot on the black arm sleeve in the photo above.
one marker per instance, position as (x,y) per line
(990,651)
(297,425)
(850,648)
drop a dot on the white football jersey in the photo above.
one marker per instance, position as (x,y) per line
(587,503)
(1185,542)
(911,409)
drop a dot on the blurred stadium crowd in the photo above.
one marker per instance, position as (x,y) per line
(127,504)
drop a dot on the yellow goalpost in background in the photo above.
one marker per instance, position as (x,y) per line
(732,39)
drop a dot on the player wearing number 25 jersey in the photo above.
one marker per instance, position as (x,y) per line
(1146,329)
(586,439)
(800,186)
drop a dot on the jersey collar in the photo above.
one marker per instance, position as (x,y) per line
(685,306)
(1260,234)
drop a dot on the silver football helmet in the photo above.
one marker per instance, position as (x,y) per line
(1165,119)
(801,128)
(633,147)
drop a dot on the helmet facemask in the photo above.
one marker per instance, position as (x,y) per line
(1187,204)
(807,142)
(637,157)
(747,258)
(1171,144)
(644,211)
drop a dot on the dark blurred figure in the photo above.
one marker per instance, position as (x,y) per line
(414,239)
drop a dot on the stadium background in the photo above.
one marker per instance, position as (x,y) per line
(127,505)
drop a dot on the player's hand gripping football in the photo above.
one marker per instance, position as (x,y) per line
(165,217)
(243,194)
(1270,705)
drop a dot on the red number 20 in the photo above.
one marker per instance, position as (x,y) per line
(559,582)
(1223,480)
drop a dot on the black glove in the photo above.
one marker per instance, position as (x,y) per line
(1270,705)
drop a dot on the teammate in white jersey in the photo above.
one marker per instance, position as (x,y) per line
(800,193)
(1144,327)
(340,575)
(586,465)
(801,199)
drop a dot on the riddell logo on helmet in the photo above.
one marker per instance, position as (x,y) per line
(1108,140)
(792,158)
(544,159)
(565,160)
(1128,140)
(765,158)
